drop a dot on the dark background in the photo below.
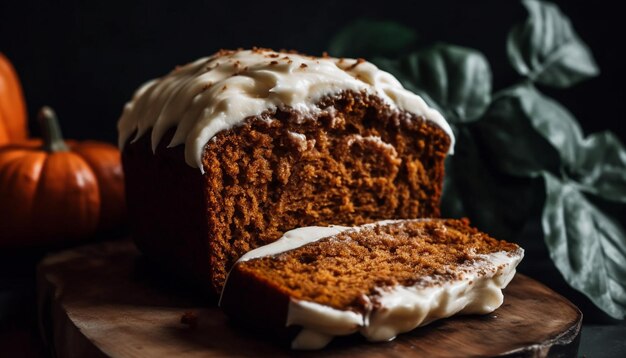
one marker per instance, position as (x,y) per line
(86,58)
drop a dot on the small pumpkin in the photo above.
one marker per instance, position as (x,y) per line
(13,126)
(53,191)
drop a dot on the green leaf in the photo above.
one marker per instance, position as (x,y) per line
(546,49)
(496,203)
(453,79)
(601,168)
(530,132)
(588,246)
(369,38)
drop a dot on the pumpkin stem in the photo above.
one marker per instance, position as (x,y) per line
(51,131)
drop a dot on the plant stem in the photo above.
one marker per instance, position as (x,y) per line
(51,131)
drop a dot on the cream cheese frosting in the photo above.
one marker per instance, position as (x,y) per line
(397,309)
(216,93)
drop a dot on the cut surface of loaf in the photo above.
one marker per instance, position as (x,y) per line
(379,279)
(353,147)
(350,167)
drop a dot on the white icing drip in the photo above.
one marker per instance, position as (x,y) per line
(376,140)
(405,308)
(297,136)
(299,139)
(295,238)
(402,309)
(398,309)
(292,240)
(336,322)
(213,94)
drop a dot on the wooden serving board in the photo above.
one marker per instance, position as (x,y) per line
(101,300)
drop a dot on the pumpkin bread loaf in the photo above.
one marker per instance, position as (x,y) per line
(378,279)
(227,153)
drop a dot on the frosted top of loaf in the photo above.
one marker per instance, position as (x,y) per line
(216,93)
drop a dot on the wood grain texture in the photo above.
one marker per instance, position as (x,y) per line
(104,300)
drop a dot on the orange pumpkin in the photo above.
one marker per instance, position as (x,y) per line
(53,191)
(12,106)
